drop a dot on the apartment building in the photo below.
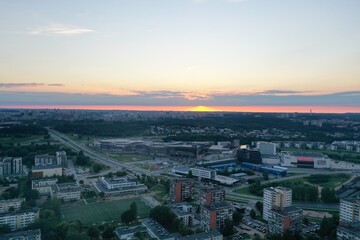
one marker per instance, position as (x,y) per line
(276,197)
(181,189)
(23,235)
(210,235)
(20,219)
(211,194)
(11,205)
(184,212)
(349,210)
(213,216)
(282,219)
(11,166)
(349,222)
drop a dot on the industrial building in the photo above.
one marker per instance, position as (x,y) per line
(266,148)
(275,170)
(203,172)
(304,160)
(249,155)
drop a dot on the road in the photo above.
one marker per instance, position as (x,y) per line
(112,163)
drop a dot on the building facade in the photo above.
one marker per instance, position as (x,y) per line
(181,189)
(20,219)
(23,235)
(211,194)
(213,216)
(11,205)
(66,191)
(282,219)
(43,186)
(275,197)
(11,166)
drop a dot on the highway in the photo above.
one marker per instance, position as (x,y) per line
(113,164)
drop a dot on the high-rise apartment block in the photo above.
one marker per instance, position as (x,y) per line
(349,228)
(11,166)
(181,189)
(349,210)
(211,194)
(285,218)
(213,216)
(276,197)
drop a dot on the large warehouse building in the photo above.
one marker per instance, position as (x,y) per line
(304,160)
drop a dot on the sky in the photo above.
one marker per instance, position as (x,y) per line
(227,55)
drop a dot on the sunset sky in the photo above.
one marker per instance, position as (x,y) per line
(241,55)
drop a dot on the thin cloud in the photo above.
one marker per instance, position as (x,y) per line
(282,92)
(17,85)
(60,30)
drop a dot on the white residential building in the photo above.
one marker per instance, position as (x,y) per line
(279,197)
(20,219)
(11,205)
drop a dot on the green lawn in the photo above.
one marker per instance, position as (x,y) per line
(160,192)
(243,191)
(100,212)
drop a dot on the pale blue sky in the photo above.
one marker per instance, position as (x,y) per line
(198,49)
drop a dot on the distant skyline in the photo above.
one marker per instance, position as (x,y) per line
(226,55)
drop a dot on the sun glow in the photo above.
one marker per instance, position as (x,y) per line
(202,109)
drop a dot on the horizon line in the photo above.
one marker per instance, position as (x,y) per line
(208,109)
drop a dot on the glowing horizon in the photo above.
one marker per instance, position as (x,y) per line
(209,109)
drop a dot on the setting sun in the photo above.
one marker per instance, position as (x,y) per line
(202,109)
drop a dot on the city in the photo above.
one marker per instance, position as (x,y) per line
(239,187)
(180,120)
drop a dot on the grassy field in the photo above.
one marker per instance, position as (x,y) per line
(330,180)
(101,212)
(129,157)
(160,191)
(14,140)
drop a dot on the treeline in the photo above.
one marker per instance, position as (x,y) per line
(21,131)
(300,191)
(103,129)
(30,151)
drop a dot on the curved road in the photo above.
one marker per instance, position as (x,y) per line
(95,155)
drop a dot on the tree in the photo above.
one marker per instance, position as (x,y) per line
(108,233)
(237,217)
(133,208)
(252,214)
(96,168)
(259,206)
(93,232)
(228,228)
(265,175)
(127,216)
(4,228)
(305,221)
(328,195)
